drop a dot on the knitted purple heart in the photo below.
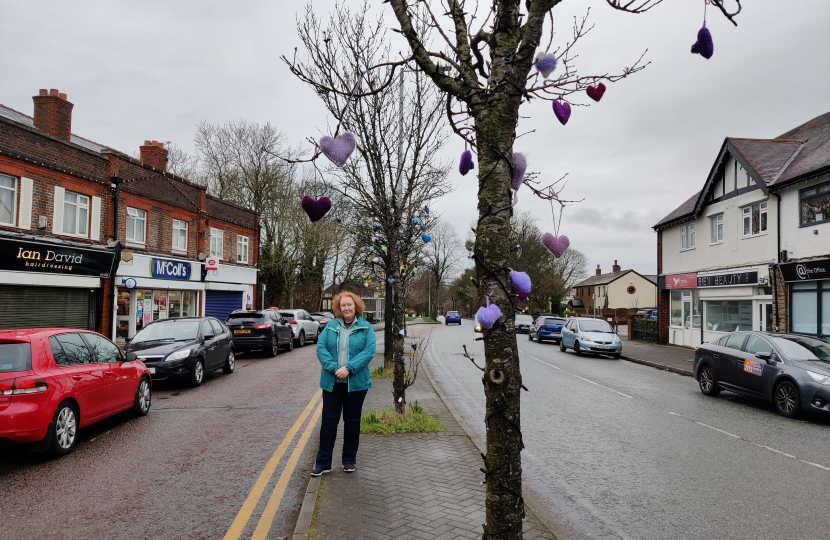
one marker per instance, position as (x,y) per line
(487,316)
(704,46)
(555,245)
(338,150)
(545,63)
(466,164)
(316,208)
(520,284)
(519,168)
(562,111)
(595,92)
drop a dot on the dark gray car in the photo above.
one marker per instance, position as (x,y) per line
(790,371)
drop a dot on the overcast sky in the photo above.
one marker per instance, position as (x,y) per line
(153,69)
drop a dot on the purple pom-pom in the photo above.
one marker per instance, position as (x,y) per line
(338,150)
(704,46)
(562,111)
(466,165)
(519,168)
(316,208)
(520,284)
(487,316)
(545,63)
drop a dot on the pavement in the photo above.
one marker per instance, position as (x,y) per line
(667,357)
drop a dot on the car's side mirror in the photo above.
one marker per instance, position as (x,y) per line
(131,356)
(208,337)
(765,356)
(127,339)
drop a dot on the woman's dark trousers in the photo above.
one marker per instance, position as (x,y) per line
(350,403)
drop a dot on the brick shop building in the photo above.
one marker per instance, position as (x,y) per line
(93,238)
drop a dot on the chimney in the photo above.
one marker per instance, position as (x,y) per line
(53,114)
(154,154)
(599,272)
(616,267)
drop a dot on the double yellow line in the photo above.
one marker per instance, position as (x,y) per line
(270,511)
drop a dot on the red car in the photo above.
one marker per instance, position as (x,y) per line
(54,381)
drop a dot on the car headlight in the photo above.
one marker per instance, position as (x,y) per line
(821,379)
(617,339)
(178,355)
(583,337)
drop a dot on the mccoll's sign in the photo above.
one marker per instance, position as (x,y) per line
(169,269)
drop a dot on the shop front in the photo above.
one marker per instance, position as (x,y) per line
(809,288)
(51,284)
(228,288)
(684,309)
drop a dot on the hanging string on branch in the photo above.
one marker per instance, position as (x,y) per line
(704,45)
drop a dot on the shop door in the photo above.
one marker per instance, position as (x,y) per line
(764,317)
(37,307)
(220,304)
(687,322)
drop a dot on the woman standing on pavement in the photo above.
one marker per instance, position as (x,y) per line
(344,350)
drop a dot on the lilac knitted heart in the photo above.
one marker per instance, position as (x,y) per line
(316,208)
(426,238)
(704,46)
(562,111)
(595,92)
(519,168)
(557,246)
(487,316)
(520,284)
(338,150)
(545,63)
(466,164)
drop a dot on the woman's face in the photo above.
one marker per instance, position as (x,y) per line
(347,308)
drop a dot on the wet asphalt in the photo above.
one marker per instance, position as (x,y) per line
(182,471)
(621,450)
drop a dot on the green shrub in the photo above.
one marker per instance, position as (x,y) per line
(413,420)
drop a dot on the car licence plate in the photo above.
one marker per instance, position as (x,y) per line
(556,335)
(241,331)
(601,347)
(152,370)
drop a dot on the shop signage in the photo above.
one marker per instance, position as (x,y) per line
(726,280)
(130,283)
(167,269)
(212,263)
(682,281)
(27,256)
(806,271)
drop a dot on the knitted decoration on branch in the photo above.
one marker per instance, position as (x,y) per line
(596,92)
(338,150)
(704,46)
(519,168)
(316,208)
(487,316)
(466,164)
(556,245)
(545,63)
(426,238)
(520,284)
(562,111)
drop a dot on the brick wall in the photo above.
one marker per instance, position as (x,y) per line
(663,298)
(780,301)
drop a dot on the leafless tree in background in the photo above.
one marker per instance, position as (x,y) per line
(442,258)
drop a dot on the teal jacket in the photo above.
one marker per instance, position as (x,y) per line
(362,347)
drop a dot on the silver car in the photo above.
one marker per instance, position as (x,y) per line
(304,328)
(587,335)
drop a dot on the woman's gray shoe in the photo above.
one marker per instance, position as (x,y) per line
(348,468)
(317,471)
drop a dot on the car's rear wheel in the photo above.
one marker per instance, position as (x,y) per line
(301,340)
(290,346)
(577,350)
(275,347)
(530,336)
(787,401)
(706,380)
(562,346)
(198,375)
(230,363)
(64,430)
(143,398)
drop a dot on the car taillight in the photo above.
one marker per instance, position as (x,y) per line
(292,321)
(29,385)
(695,351)
(262,326)
(323,321)
(543,326)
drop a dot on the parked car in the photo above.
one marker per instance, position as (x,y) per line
(54,381)
(452,317)
(323,318)
(646,314)
(263,330)
(302,325)
(523,324)
(789,370)
(587,335)
(184,348)
(546,327)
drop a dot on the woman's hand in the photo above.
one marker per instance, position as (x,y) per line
(341,373)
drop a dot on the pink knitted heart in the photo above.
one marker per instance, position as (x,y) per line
(562,111)
(520,284)
(595,92)
(487,316)
(338,150)
(519,168)
(316,208)
(557,246)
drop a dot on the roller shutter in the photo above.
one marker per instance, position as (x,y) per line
(38,307)
(220,304)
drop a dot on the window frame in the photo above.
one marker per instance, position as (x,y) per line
(13,189)
(687,237)
(142,242)
(746,219)
(221,239)
(716,229)
(816,195)
(173,246)
(246,243)
(78,206)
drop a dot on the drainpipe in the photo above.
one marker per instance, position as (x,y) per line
(116,185)
(776,326)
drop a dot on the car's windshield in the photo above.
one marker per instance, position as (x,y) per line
(554,321)
(288,315)
(242,318)
(15,357)
(172,330)
(524,319)
(588,325)
(803,348)
(452,314)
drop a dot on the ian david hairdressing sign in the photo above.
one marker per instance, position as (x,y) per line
(27,256)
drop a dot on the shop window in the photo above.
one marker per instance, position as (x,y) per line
(815,204)
(216,242)
(179,235)
(8,198)
(136,225)
(75,213)
(242,249)
(755,219)
(687,236)
(716,229)
(676,308)
(729,315)
(810,301)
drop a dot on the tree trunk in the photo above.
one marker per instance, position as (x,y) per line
(397,342)
(388,328)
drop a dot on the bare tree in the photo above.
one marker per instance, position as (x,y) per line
(443,254)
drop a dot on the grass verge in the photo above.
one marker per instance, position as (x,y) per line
(430,320)
(380,373)
(414,420)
